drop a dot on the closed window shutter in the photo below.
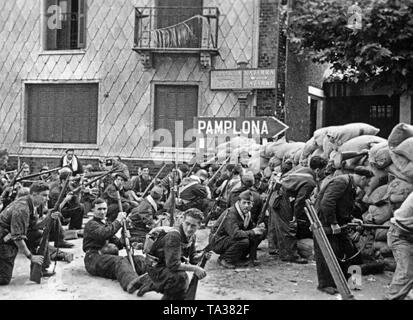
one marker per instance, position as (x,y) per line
(81,36)
(62,113)
(175,103)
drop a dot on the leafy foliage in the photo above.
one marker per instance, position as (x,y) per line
(380,52)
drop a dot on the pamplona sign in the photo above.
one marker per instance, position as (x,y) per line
(262,127)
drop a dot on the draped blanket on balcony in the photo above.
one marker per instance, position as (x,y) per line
(178,35)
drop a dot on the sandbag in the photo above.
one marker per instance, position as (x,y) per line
(297,157)
(257,163)
(287,148)
(381,234)
(405,149)
(379,215)
(293,149)
(400,132)
(403,165)
(319,135)
(309,147)
(398,190)
(380,178)
(377,195)
(341,134)
(271,147)
(379,155)
(328,147)
(358,144)
(393,171)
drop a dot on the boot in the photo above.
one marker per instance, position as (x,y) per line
(147,286)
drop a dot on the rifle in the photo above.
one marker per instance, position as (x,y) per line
(36,269)
(188,174)
(214,207)
(34,175)
(94,180)
(14,180)
(153,181)
(327,252)
(328,230)
(126,234)
(275,185)
(173,193)
(212,180)
(193,285)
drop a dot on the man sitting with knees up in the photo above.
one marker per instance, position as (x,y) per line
(238,237)
(102,249)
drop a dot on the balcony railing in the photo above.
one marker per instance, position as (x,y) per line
(176,29)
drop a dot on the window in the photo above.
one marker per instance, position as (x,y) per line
(381,112)
(173,13)
(62,113)
(65,24)
(175,103)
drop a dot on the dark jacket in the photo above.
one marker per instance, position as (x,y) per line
(139,184)
(299,185)
(335,202)
(97,234)
(233,226)
(257,203)
(110,194)
(173,248)
(17,218)
(142,218)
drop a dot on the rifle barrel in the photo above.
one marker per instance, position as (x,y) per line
(34,175)
(153,181)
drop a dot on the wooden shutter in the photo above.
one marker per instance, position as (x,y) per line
(174,103)
(81,30)
(62,113)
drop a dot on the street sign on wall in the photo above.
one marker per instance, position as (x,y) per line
(242,79)
(263,127)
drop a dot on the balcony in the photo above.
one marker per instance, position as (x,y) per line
(189,30)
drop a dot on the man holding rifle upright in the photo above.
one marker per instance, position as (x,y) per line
(102,250)
(15,222)
(334,205)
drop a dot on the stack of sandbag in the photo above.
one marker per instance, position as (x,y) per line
(341,134)
(379,155)
(401,151)
(357,144)
(329,139)
(241,148)
(382,202)
(285,151)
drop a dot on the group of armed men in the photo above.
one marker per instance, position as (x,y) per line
(240,208)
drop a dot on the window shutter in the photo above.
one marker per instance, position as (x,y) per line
(81,30)
(50,33)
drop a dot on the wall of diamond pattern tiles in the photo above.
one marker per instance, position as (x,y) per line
(125,113)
